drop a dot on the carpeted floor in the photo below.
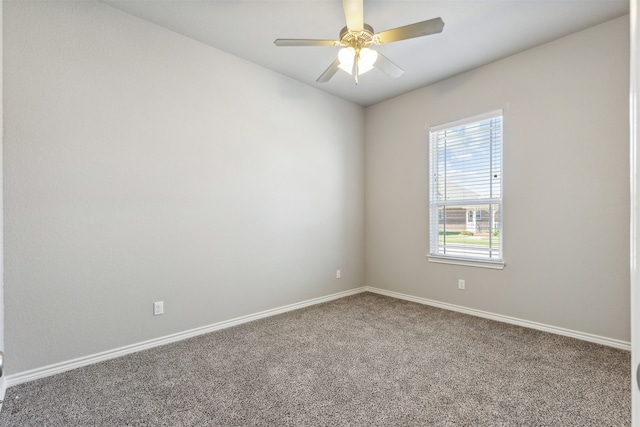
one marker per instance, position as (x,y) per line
(364,360)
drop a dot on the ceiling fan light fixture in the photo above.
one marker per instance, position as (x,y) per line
(366,59)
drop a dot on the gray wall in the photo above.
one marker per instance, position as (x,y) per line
(143,166)
(566,185)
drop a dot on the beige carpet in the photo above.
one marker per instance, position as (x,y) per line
(364,360)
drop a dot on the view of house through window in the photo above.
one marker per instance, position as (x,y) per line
(466,188)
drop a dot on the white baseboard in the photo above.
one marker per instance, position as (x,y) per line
(57,368)
(610,342)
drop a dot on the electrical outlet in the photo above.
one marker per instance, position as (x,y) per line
(338,274)
(158,308)
(461,284)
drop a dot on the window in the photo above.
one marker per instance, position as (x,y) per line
(466,191)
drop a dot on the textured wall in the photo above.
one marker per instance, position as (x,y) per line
(143,166)
(566,185)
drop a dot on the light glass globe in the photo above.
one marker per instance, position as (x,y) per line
(367,58)
(346,55)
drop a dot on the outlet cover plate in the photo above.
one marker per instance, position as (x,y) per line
(158,308)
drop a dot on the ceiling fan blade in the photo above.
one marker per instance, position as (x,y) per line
(353,12)
(306,42)
(329,72)
(419,29)
(385,65)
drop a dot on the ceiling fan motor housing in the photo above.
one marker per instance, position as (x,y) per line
(357,39)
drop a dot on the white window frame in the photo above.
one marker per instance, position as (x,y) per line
(435,205)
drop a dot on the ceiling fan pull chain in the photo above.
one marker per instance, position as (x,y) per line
(356,59)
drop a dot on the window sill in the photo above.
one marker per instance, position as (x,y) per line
(467,262)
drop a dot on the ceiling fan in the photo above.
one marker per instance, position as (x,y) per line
(356,56)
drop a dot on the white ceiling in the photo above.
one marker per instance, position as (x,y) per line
(476,32)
